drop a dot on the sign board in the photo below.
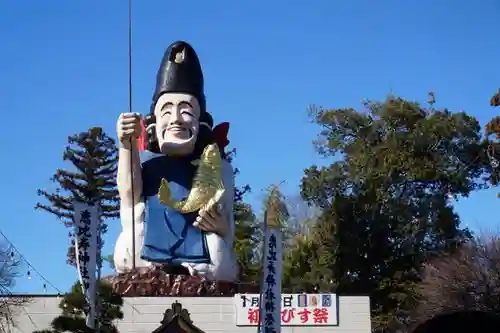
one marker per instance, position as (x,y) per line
(296,309)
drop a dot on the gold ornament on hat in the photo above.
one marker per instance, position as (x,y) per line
(207,186)
(179,57)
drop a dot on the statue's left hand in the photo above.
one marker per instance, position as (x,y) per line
(214,219)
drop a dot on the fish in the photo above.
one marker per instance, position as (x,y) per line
(207,188)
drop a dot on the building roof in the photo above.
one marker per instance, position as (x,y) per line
(177,320)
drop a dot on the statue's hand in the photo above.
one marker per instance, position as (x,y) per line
(128,127)
(213,220)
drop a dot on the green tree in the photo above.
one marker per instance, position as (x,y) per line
(75,308)
(492,132)
(93,156)
(110,260)
(385,199)
(294,220)
(301,253)
(301,215)
(307,261)
(246,241)
(495,99)
(276,215)
(246,231)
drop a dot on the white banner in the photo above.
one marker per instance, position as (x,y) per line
(296,309)
(86,220)
(271,286)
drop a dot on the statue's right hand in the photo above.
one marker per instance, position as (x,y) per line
(128,127)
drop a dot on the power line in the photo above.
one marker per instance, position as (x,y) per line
(30,266)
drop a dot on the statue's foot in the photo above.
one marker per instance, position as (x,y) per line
(174,270)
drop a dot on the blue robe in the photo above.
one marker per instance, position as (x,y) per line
(169,236)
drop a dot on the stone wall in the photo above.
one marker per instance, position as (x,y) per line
(211,314)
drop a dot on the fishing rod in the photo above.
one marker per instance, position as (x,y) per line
(131,139)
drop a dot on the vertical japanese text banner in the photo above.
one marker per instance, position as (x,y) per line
(86,221)
(271,287)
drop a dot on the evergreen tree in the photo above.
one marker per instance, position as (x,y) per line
(495,99)
(75,308)
(93,156)
(300,253)
(109,259)
(246,231)
(385,199)
(246,241)
(493,149)
(308,260)
(492,132)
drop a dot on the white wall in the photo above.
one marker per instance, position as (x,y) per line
(211,314)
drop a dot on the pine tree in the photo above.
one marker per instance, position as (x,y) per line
(93,156)
(74,310)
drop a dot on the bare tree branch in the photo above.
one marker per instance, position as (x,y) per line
(468,280)
(10,306)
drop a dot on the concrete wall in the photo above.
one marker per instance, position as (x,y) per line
(211,314)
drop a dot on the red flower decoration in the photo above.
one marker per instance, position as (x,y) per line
(141,140)
(220,134)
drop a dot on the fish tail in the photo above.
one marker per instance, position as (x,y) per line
(165,196)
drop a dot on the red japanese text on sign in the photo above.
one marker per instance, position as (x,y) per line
(287,315)
(320,316)
(253,316)
(304,316)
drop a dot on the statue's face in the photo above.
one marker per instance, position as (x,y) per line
(177,123)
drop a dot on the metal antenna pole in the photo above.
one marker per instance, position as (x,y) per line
(132,143)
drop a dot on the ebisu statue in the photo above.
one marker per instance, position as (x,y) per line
(181,186)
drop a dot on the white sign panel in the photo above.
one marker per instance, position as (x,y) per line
(296,309)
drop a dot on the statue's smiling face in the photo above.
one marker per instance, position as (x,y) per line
(177,123)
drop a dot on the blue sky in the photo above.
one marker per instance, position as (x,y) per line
(63,68)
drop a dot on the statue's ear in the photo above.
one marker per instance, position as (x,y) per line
(150,134)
